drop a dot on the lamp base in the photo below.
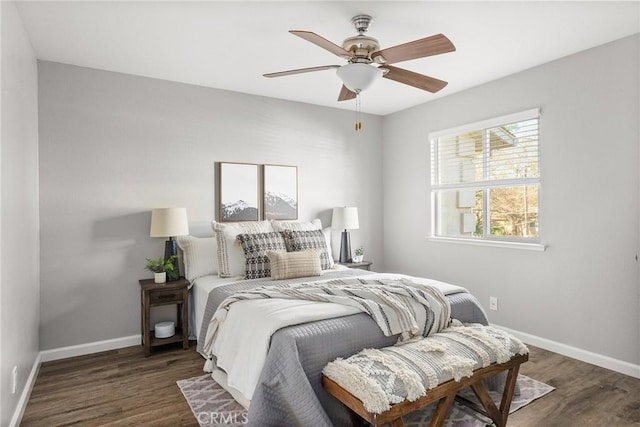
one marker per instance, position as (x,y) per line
(345,248)
(171,249)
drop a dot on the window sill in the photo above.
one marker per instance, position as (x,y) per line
(494,243)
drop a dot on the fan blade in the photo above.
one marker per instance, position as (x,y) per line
(430,84)
(301,70)
(428,46)
(322,42)
(346,94)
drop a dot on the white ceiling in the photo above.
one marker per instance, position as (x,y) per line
(229,45)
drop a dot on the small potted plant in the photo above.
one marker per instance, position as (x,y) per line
(160,267)
(359,254)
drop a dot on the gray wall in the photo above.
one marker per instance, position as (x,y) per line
(583,291)
(114,146)
(19,251)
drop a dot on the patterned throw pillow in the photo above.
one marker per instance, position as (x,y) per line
(230,255)
(255,247)
(289,265)
(312,239)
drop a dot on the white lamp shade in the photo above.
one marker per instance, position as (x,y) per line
(168,222)
(358,77)
(345,218)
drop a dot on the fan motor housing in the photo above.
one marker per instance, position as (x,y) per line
(361,46)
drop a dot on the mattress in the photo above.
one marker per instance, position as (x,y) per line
(199,293)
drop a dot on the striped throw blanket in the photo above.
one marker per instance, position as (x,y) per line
(399,306)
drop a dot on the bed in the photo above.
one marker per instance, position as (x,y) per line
(288,388)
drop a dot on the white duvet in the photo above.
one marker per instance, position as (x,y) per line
(242,341)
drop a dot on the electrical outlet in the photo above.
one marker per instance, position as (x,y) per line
(14,380)
(493,303)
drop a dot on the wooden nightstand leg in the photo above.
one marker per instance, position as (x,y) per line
(142,318)
(185,318)
(147,325)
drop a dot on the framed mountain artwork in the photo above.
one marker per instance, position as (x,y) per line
(238,192)
(280,191)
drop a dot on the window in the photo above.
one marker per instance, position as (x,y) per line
(485,180)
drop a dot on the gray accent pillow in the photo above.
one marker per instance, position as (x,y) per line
(255,247)
(304,240)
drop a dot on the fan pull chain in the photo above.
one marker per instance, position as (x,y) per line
(358,122)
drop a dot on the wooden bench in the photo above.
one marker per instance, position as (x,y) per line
(444,393)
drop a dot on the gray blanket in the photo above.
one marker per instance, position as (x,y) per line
(289,392)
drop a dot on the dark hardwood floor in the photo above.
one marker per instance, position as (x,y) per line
(118,387)
(585,395)
(123,388)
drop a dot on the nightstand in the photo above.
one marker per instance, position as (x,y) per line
(364,265)
(156,294)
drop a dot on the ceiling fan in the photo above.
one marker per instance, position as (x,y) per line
(367,62)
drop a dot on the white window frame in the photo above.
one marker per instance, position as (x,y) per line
(487,239)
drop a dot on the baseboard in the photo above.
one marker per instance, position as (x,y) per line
(26,393)
(607,362)
(89,348)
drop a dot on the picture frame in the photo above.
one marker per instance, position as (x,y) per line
(238,192)
(280,192)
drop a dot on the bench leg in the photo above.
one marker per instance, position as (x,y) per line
(509,389)
(483,396)
(442,411)
(499,416)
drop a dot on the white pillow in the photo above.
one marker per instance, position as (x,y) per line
(327,237)
(199,255)
(231,262)
(316,224)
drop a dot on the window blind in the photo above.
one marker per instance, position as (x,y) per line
(506,152)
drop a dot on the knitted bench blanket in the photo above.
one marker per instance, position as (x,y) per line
(383,377)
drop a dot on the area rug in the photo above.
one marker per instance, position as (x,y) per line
(213,406)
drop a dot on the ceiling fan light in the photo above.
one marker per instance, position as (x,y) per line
(358,77)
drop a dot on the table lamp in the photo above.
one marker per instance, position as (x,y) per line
(345,218)
(169,222)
